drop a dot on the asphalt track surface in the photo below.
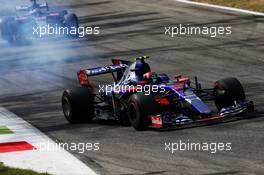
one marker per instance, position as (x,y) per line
(33,77)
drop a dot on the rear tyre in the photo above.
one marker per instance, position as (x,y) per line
(78,105)
(139,107)
(71,22)
(227,91)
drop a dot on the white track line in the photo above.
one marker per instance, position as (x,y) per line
(59,162)
(221,7)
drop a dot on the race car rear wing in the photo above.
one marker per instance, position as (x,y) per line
(29,7)
(118,66)
(104,69)
(23,8)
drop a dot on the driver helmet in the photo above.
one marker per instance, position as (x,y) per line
(140,68)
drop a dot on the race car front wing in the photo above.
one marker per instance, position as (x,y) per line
(169,122)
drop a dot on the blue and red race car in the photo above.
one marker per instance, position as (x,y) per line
(36,20)
(146,99)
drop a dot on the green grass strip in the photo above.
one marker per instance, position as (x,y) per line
(255,5)
(4,170)
(5,130)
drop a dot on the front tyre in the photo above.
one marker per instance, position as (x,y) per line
(16,35)
(10,30)
(227,91)
(140,106)
(78,105)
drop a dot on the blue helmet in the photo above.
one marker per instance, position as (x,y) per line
(140,67)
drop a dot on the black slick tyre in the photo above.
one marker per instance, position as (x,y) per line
(139,107)
(71,22)
(227,91)
(78,105)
